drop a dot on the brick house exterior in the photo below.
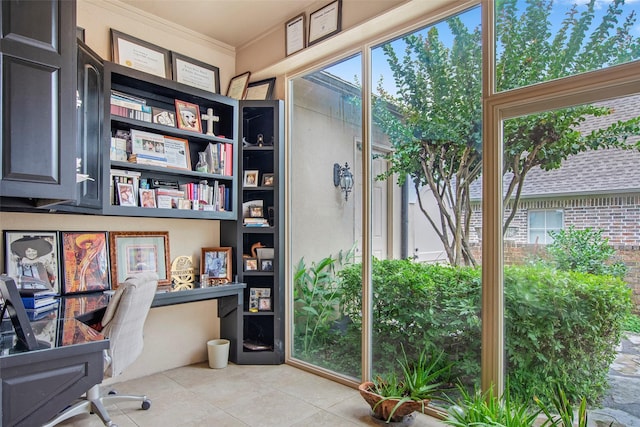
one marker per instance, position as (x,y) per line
(597,189)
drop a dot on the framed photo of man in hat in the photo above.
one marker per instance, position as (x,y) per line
(31,258)
(85,261)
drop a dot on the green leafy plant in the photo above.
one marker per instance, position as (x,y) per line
(420,381)
(317,298)
(487,409)
(632,324)
(585,251)
(565,415)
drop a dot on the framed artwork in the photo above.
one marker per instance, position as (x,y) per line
(266,264)
(126,196)
(195,73)
(140,55)
(163,117)
(133,252)
(255,211)
(238,86)
(264,304)
(251,178)
(295,35)
(267,180)
(85,261)
(216,264)
(251,264)
(188,116)
(261,90)
(32,257)
(147,197)
(325,22)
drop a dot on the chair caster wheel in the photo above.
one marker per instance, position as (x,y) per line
(112,392)
(146,404)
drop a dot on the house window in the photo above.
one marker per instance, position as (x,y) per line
(541,223)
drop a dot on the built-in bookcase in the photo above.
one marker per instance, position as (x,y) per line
(147,149)
(257,235)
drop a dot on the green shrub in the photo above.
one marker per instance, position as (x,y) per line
(559,325)
(632,324)
(584,251)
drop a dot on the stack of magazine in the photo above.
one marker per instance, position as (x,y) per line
(39,298)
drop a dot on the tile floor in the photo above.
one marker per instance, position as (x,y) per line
(237,396)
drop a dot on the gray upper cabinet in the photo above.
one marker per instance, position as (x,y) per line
(38,87)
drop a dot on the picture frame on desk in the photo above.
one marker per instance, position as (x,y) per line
(264,304)
(266,264)
(163,117)
(188,116)
(133,252)
(85,261)
(195,73)
(216,264)
(32,256)
(140,55)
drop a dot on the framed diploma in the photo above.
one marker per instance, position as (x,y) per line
(195,73)
(261,90)
(238,86)
(295,35)
(141,55)
(325,22)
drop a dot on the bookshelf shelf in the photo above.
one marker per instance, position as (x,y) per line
(165,168)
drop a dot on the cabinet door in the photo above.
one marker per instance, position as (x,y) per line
(38,76)
(90,134)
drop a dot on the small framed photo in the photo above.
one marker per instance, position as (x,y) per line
(251,264)
(163,117)
(238,86)
(140,55)
(325,22)
(264,304)
(251,178)
(262,90)
(255,211)
(267,180)
(147,197)
(295,34)
(216,264)
(85,262)
(31,258)
(132,252)
(126,196)
(188,116)
(266,264)
(195,73)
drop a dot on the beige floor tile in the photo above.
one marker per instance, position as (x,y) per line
(240,396)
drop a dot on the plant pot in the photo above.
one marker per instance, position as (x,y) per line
(383,409)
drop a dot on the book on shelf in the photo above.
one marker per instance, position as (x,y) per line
(256,222)
(220,158)
(118,149)
(141,115)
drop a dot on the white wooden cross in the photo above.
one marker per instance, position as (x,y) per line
(210,118)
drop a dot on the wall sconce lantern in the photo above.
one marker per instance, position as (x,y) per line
(343,178)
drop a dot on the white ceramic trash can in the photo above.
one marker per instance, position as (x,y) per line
(218,353)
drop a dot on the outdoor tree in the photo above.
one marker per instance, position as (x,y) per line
(434,120)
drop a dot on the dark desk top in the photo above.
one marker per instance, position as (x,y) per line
(52,332)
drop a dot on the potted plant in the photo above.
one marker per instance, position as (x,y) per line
(392,398)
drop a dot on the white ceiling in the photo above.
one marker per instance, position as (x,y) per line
(234,22)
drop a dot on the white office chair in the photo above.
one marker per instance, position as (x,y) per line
(122,323)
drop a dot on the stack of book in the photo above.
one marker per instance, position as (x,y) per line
(125,105)
(38,303)
(256,222)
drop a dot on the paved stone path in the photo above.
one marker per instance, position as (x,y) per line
(622,404)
